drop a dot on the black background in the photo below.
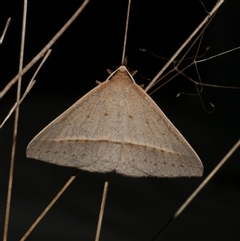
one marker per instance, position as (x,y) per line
(136,208)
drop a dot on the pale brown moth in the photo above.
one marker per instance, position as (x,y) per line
(116,127)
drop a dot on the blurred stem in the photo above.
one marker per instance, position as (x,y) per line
(49,206)
(200,187)
(104,197)
(15,128)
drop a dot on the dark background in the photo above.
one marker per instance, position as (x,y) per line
(136,208)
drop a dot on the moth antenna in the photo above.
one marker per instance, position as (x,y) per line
(109,71)
(134,72)
(98,82)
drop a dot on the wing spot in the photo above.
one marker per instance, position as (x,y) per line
(130,117)
(64,152)
(88,116)
(106,114)
(173,164)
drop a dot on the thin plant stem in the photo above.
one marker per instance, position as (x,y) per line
(15,128)
(200,187)
(49,206)
(15,106)
(192,80)
(101,212)
(215,8)
(44,50)
(200,35)
(5,30)
(126,30)
(29,87)
(217,55)
(208,85)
